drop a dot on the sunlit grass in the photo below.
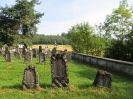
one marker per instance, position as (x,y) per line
(81,77)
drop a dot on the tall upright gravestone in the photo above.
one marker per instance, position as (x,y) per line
(30,78)
(59,69)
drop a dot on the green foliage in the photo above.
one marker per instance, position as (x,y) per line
(81,77)
(119,23)
(49,39)
(20,18)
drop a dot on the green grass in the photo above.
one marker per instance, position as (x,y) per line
(81,77)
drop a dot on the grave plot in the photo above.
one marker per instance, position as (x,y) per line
(59,69)
(103,79)
(30,78)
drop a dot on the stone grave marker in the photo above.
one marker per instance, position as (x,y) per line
(23,51)
(48,53)
(34,51)
(28,56)
(103,79)
(8,56)
(59,69)
(17,55)
(41,57)
(40,49)
(30,78)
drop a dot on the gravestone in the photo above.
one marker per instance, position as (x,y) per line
(28,56)
(41,57)
(30,78)
(8,57)
(17,55)
(17,49)
(48,53)
(103,79)
(40,49)
(34,51)
(59,69)
(23,51)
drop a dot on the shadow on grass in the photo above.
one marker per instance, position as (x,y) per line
(17,86)
(44,85)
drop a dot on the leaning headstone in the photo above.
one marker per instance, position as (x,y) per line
(103,79)
(28,57)
(59,69)
(41,57)
(30,78)
(8,57)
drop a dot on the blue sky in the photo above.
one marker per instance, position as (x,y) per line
(60,15)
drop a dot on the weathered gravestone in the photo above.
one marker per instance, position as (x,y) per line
(40,49)
(59,69)
(103,79)
(23,51)
(30,78)
(28,56)
(8,56)
(48,53)
(41,57)
(17,55)
(34,51)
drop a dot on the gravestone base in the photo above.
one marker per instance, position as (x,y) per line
(103,79)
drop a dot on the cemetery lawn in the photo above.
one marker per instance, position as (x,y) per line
(81,77)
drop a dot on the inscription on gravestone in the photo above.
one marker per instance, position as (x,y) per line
(103,79)
(30,78)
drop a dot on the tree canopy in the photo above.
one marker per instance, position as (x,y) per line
(18,22)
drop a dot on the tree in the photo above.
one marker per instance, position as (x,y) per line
(119,22)
(21,19)
(80,37)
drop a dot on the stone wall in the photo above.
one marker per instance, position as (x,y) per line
(111,64)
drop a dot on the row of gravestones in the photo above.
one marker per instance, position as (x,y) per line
(59,72)
(27,54)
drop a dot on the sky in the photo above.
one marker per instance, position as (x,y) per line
(61,15)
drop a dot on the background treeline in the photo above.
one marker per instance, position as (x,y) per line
(112,39)
(50,39)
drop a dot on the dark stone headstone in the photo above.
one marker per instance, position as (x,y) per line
(41,57)
(23,51)
(40,49)
(30,78)
(34,51)
(8,56)
(103,79)
(28,56)
(59,69)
